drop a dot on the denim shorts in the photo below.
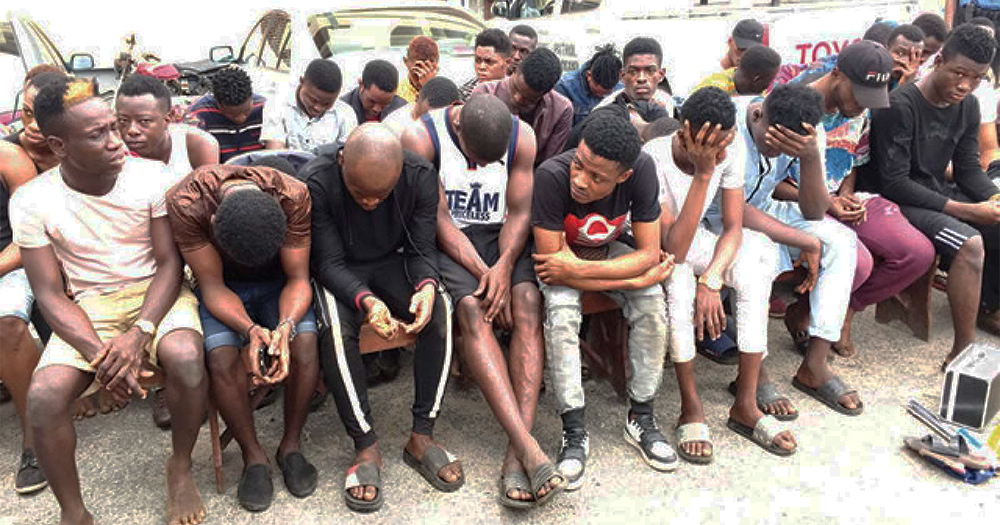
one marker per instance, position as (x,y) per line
(260,299)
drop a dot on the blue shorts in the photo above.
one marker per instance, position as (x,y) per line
(261,302)
(16,298)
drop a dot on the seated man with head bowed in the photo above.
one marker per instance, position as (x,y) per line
(245,233)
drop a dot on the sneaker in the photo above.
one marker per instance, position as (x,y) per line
(572,461)
(30,477)
(643,434)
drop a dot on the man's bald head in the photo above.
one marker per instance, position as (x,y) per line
(372,160)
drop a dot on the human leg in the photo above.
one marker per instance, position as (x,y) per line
(18,354)
(50,396)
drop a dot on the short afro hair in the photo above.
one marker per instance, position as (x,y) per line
(932,25)
(496,39)
(139,85)
(44,78)
(643,45)
(56,97)
(439,92)
(250,226)
(231,86)
(38,70)
(614,138)
(324,75)
(661,127)
(381,73)
(605,67)
(907,31)
(541,70)
(879,32)
(982,21)
(275,161)
(524,30)
(486,124)
(423,48)
(760,60)
(971,42)
(791,105)
(708,105)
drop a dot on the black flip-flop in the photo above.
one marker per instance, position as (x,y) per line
(363,475)
(516,481)
(829,393)
(435,458)
(722,350)
(767,394)
(543,475)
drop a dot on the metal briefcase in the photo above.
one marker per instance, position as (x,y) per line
(971,393)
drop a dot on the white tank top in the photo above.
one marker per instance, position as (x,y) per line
(475,194)
(180,164)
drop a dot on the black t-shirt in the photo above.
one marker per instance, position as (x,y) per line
(596,223)
(912,143)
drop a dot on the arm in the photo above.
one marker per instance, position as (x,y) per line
(166,283)
(728,244)
(296,296)
(989,151)
(329,261)
(421,246)
(776,230)
(273,144)
(514,233)
(786,191)
(219,300)
(16,168)
(549,242)
(202,148)
(968,173)
(813,197)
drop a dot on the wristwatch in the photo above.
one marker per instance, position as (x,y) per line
(146,327)
(711,281)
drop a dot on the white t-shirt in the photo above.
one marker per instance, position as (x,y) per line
(675,184)
(285,122)
(103,242)
(986,94)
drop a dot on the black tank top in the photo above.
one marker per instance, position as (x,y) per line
(6,232)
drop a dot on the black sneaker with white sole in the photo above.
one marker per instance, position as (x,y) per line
(572,461)
(30,477)
(642,433)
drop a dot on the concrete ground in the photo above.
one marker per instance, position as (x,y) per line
(850,470)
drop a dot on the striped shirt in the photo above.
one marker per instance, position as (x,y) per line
(233,138)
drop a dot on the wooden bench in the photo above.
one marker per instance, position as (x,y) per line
(911,306)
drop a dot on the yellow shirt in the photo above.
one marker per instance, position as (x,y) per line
(406,90)
(722,80)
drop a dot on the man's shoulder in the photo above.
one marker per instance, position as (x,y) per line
(320,170)
(557,166)
(559,102)
(42,188)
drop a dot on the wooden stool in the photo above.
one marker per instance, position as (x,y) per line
(911,306)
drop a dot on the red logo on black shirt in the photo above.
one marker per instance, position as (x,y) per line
(592,230)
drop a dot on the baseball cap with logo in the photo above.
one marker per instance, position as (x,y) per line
(747,33)
(868,66)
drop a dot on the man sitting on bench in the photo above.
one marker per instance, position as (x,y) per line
(245,233)
(371,200)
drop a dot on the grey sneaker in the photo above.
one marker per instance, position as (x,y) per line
(643,434)
(30,477)
(572,461)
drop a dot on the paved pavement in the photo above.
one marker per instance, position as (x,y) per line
(846,470)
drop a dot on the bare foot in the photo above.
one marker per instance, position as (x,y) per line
(108,403)
(84,408)
(419,443)
(184,506)
(85,518)
(815,379)
(845,347)
(694,448)
(368,455)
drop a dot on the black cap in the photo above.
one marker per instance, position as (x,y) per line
(868,65)
(747,33)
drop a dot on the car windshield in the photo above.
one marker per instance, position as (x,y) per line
(335,34)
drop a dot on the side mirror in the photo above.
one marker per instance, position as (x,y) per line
(81,62)
(221,54)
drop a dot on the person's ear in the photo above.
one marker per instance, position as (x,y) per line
(939,59)
(624,176)
(340,158)
(57,145)
(757,114)
(361,84)
(661,74)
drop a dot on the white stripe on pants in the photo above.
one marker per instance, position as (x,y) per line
(750,276)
